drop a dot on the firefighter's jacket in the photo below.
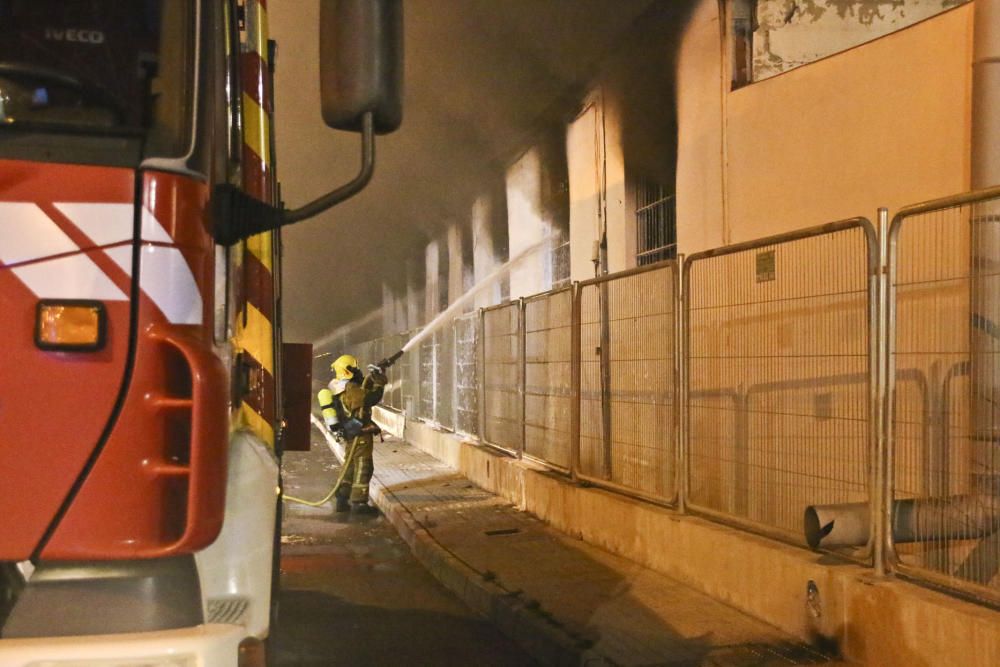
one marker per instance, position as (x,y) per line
(358,399)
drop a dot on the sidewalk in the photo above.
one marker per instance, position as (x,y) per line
(560,599)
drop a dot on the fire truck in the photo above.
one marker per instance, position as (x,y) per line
(145,391)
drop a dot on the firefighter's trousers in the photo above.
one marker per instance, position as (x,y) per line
(357,471)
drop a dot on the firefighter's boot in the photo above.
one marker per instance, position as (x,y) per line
(363,508)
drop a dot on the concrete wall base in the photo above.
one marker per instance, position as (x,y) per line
(877,621)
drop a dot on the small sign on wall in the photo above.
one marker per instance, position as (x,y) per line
(765,266)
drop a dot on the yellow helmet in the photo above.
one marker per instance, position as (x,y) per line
(342,365)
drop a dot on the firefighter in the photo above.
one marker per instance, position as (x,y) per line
(347,409)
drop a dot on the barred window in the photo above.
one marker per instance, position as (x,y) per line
(656,223)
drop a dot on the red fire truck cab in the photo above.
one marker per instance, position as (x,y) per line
(141,371)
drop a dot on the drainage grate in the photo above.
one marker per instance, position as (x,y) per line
(760,655)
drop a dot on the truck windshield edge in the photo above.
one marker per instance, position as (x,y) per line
(100,81)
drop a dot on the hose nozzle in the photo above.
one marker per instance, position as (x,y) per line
(389,361)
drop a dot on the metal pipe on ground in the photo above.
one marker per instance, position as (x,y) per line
(914,520)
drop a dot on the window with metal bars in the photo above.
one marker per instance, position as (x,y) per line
(558,260)
(656,223)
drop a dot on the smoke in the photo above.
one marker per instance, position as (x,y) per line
(482,80)
(458,305)
(345,333)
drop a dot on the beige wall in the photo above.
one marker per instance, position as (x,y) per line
(456,269)
(484,259)
(414,295)
(884,124)
(620,254)
(816,29)
(525,225)
(700,200)
(582,150)
(432,277)
(596,166)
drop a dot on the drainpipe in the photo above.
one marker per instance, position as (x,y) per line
(981,563)
(985,172)
(986,94)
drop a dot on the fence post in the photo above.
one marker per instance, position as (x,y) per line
(574,438)
(605,361)
(415,366)
(680,382)
(454,375)
(523,372)
(481,363)
(881,504)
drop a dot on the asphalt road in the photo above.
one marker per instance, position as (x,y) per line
(352,593)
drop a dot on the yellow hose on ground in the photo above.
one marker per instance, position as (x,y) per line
(336,485)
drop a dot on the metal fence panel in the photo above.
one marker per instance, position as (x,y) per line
(780,384)
(427,378)
(548,336)
(444,377)
(466,369)
(409,373)
(502,376)
(628,406)
(945,358)
(393,391)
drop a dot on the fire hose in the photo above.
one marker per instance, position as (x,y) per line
(336,485)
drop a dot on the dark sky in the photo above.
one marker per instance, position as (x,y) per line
(480,76)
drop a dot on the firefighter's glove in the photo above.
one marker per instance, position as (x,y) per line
(352,428)
(377,374)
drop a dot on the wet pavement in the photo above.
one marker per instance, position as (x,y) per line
(352,593)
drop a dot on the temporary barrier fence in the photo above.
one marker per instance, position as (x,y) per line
(548,378)
(781,375)
(503,396)
(409,372)
(444,377)
(394,390)
(427,378)
(790,374)
(944,430)
(628,381)
(466,373)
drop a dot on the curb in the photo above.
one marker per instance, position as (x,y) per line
(518,618)
(539,635)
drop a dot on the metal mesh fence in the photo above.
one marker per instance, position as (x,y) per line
(628,407)
(945,428)
(393,391)
(444,377)
(466,369)
(779,376)
(409,374)
(502,376)
(427,378)
(548,358)
(782,373)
